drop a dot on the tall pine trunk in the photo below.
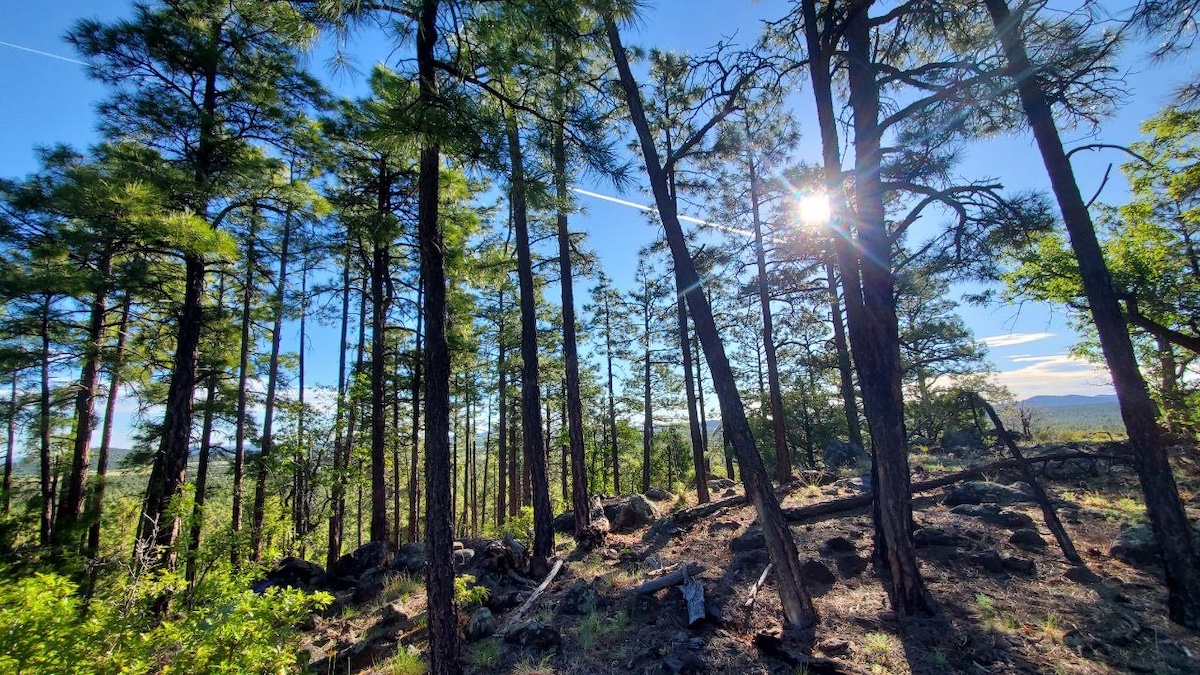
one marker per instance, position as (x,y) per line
(414,525)
(1163,505)
(96,502)
(875,339)
(797,604)
(380,304)
(71,507)
(239,434)
(341,441)
(268,441)
(439,531)
(531,413)
(46,471)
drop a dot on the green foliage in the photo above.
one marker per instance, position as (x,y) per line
(221,627)
(484,654)
(467,592)
(407,663)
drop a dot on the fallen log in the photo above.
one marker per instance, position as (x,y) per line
(667,580)
(515,617)
(802,513)
(688,515)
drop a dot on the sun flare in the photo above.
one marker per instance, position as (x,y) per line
(814,209)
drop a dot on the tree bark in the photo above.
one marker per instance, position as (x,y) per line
(845,373)
(875,337)
(531,413)
(612,401)
(96,503)
(1163,505)
(341,441)
(197,524)
(695,436)
(502,503)
(46,471)
(268,440)
(414,526)
(439,531)
(170,462)
(71,507)
(783,454)
(797,604)
(239,434)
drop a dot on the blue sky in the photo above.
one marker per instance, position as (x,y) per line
(46,98)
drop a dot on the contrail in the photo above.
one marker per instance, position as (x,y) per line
(651,209)
(41,53)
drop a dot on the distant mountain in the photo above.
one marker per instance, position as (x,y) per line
(1069,400)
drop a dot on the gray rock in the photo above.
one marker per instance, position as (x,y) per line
(463,557)
(659,495)
(637,513)
(817,573)
(720,484)
(993,514)
(852,565)
(481,624)
(838,453)
(1027,537)
(932,536)
(1020,566)
(750,540)
(1136,545)
(984,492)
(990,561)
(535,634)
(839,545)
(410,558)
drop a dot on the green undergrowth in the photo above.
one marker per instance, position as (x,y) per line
(219,627)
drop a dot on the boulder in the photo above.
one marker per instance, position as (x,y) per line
(410,558)
(985,492)
(932,536)
(295,573)
(993,514)
(817,574)
(716,484)
(1136,545)
(962,439)
(838,453)
(368,556)
(852,565)
(1027,537)
(750,540)
(463,558)
(535,634)
(659,495)
(481,624)
(638,512)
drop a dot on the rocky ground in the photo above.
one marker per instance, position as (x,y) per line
(1008,600)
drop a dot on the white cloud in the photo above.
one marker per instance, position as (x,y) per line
(1057,374)
(1014,339)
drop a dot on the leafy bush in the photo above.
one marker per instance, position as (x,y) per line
(221,628)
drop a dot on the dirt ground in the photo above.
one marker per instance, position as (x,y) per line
(1002,607)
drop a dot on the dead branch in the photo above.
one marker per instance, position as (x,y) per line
(774,647)
(537,592)
(667,580)
(802,513)
(757,585)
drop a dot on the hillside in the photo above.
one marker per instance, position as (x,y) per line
(1068,416)
(1008,601)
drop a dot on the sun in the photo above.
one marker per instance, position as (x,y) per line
(814,209)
